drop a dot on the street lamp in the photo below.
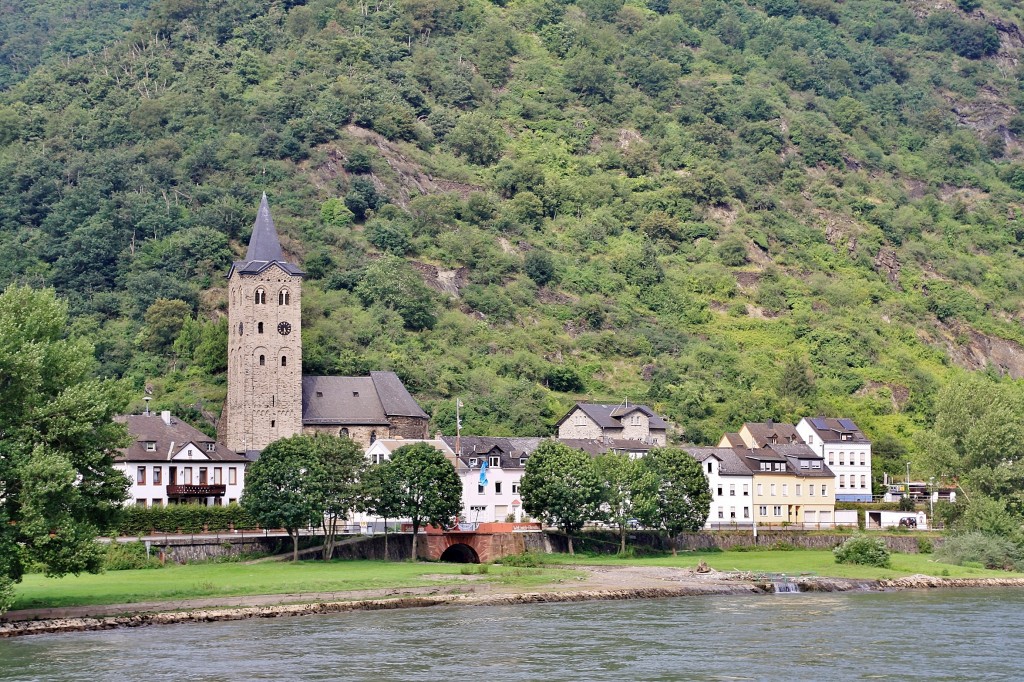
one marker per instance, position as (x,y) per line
(931,502)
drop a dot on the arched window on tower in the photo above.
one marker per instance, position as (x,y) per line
(261,296)
(283,297)
(263,360)
(284,360)
(259,327)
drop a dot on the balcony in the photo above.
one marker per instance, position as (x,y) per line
(190,490)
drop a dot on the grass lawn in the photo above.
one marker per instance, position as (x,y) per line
(820,562)
(235,579)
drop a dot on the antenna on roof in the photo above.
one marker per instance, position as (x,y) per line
(147,399)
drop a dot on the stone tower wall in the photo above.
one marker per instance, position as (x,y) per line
(264,400)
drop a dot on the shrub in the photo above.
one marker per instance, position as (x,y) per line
(860,549)
(188,518)
(524,560)
(989,551)
(925,546)
(124,556)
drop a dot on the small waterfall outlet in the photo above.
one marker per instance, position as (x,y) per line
(785,587)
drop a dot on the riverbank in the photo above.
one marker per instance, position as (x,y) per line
(600,583)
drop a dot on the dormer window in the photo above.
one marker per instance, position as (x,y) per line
(773,440)
(472,461)
(522,461)
(210,447)
(150,445)
(261,296)
(846,436)
(495,462)
(816,464)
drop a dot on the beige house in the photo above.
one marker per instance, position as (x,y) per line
(609,423)
(268,397)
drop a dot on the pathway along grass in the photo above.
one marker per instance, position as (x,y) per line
(239,579)
(795,562)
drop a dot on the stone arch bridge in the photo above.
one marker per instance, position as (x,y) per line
(474,543)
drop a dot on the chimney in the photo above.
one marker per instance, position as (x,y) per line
(769,422)
(166,416)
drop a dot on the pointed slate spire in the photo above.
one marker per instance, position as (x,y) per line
(264,244)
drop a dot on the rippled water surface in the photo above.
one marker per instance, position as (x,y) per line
(965,635)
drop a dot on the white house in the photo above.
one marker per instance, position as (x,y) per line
(731,482)
(846,450)
(171,462)
(494,495)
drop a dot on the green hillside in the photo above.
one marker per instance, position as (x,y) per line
(732,210)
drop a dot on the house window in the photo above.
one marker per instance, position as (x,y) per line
(479,489)
(721,513)
(831,457)
(746,490)
(810,439)
(203,480)
(150,446)
(862,461)
(804,464)
(732,512)
(773,490)
(378,458)
(522,461)
(760,488)
(284,360)
(842,458)
(777,510)
(581,419)
(746,512)
(816,464)
(495,462)
(863,481)
(472,461)
(785,489)
(140,502)
(824,491)
(158,501)
(709,467)
(261,296)
(732,490)
(799,490)
(283,297)
(515,487)
(763,510)
(497,487)
(259,327)
(140,476)
(810,490)
(186,476)
(719,490)
(842,481)
(211,446)
(780,466)
(158,475)
(218,473)
(232,475)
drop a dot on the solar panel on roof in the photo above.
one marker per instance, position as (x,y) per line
(847,424)
(819,423)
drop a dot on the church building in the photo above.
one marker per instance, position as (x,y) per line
(268,398)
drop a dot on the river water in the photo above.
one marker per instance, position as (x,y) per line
(934,635)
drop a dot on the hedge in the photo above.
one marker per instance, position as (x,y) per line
(186,518)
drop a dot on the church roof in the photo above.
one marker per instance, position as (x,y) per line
(371,400)
(264,246)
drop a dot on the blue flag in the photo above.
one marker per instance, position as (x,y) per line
(483,473)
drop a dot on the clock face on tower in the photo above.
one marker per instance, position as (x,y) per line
(284,329)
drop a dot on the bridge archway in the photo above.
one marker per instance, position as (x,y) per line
(460,553)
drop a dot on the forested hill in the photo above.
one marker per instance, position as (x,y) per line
(731,210)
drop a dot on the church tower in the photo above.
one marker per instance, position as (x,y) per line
(264,342)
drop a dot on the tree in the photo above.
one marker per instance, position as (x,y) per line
(165,319)
(684,497)
(390,283)
(560,486)
(334,483)
(381,495)
(539,266)
(431,491)
(278,488)
(477,138)
(58,484)
(629,491)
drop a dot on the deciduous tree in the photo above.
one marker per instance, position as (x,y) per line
(58,485)
(629,491)
(430,489)
(560,486)
(683,497)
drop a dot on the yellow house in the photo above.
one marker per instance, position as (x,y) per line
(791,485)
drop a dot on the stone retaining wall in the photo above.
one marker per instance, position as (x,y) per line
(607,542)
